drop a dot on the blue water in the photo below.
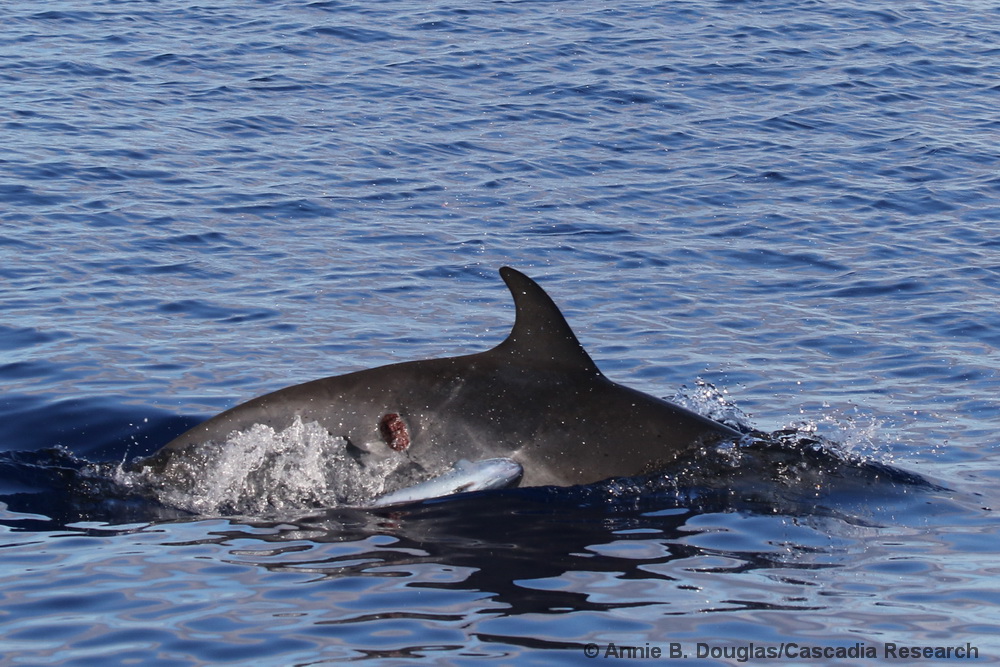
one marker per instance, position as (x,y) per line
(786,210)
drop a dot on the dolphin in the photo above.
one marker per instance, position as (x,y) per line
(536,399)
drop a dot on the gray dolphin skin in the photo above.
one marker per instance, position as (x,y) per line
(537,399)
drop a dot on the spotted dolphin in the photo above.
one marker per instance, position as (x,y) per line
(536,399)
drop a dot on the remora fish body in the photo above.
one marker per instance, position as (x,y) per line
(466,476)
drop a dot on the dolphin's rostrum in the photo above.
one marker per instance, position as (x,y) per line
(537,398)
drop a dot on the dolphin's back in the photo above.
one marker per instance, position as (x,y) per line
(537,398)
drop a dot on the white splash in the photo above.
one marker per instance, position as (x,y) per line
(261,471)
(708,400)
(853,431)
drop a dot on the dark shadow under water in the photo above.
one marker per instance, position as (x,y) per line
(521,547)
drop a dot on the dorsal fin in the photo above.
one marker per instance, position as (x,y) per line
(541,335)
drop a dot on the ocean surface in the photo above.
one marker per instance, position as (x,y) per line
(784,214)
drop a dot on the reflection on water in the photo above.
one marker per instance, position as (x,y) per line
(498,573)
